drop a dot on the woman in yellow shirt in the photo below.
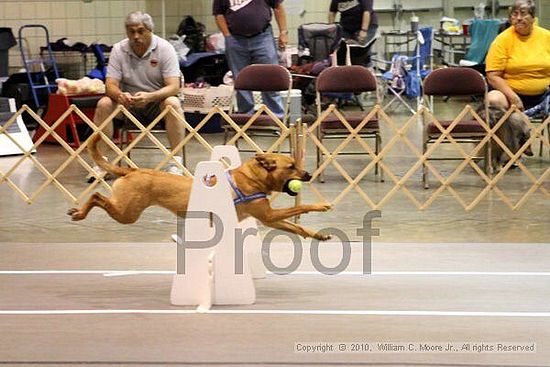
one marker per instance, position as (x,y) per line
(518,62)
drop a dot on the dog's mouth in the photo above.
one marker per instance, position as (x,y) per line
(306,177)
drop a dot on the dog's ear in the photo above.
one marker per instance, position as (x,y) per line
(268,163)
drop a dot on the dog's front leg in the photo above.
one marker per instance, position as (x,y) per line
(289,226)
(266,214)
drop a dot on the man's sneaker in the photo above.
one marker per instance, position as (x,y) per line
(174,169)
(98,171)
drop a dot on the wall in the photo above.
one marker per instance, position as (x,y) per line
(102,20)
(315,11)
(99,21)
(544,13)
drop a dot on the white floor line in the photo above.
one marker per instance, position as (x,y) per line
(276,243)
(111,273)
(472,273)
(280,312)
(85,272)
(115,273)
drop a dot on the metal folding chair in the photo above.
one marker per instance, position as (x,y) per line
(347,79)
(260,78)
(443,82)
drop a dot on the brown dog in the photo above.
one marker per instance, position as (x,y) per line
(514,132)
(138,189)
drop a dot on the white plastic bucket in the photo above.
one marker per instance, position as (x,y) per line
(295,104)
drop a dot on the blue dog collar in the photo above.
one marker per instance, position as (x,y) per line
(241,198)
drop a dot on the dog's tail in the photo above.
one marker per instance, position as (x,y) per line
(98,158)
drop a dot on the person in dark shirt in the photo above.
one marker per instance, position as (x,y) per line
(357,18)
(246,26)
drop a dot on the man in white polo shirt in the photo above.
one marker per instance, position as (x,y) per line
(143,75)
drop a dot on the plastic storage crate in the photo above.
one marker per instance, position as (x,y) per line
(203,99)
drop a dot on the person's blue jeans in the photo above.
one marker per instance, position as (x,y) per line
(243,51)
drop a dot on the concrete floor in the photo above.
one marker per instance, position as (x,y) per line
(440,275)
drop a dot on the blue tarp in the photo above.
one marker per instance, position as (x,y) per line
(482,34)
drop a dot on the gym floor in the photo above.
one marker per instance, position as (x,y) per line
(98,293)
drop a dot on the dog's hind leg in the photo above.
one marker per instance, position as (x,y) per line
(125,216)
(82,213)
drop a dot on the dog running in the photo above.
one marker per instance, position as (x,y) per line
(137,189)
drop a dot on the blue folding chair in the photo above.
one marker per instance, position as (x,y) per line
(100,71)
(403,79)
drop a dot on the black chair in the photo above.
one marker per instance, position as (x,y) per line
(316,41)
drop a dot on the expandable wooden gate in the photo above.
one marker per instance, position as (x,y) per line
(300,138)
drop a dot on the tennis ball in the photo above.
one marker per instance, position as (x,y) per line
(295,185)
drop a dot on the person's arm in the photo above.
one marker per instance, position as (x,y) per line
(171,88)
(114,76)
(280,17)
(113,91)
(332,10)
(497,81)
(365,22)
(368,9)
(222,25)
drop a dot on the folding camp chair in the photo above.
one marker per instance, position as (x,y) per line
(316,43)
(100,70)
(320,46)
(403,79)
